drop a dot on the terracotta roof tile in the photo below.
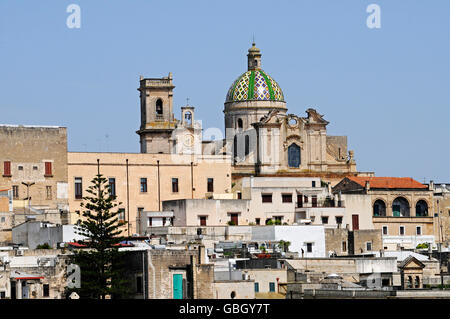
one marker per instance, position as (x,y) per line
(388,182)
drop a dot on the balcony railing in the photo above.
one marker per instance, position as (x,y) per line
(320,204)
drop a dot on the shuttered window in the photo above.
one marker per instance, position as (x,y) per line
(7,168)
(48,168)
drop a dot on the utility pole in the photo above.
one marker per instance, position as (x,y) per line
(128,200)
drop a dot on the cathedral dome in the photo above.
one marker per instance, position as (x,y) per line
(254,85)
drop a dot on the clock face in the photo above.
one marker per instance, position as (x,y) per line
(188,140)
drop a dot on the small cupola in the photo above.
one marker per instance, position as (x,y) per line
(254,58)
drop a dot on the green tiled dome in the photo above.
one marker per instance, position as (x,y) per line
(254,85)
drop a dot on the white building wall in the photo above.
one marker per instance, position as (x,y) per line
(300,235)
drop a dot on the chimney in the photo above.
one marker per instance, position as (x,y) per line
(431,186)
(367,186)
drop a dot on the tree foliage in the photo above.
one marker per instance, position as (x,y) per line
(100,261)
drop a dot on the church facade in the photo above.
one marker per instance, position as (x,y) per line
(261,137)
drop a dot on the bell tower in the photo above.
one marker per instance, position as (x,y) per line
(157,119)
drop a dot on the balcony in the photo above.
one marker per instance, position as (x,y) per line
(319,204)
(402,219)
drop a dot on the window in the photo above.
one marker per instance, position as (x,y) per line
(299,200)
(2,220)
(385,230)
(400,207)
(149,222)
(210,185)
(266,198)
(247,145)
(286,198)
(138,284)
(188,118)
(239,195)
(410,284)
(159,107)
(314,200)
(417,282)
(174,185)
(15,191)
(305,199)
(112,186)
(258,221)
(418,230)
(202,220)
(324,219)
(344,246)
(20,168)
(369,246)
(35,168)
(121,214)
(7,168)
(379,208)
(46,290)
(48,168)
(402,230)
(309,247)
(234,219)
(271,286)
(78,188)
(240,124)
(256,286)
(143,185)
(313,183)
(421,208)
(48,192)
(294,155)
(339,220)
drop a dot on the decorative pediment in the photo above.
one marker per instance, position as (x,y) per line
(294,138)
(270,117)
(411,263)
(315,118)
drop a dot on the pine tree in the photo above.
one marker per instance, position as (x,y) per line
(101,263)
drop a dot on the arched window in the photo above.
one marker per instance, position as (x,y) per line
(379,208)
(240,124)
(410,283)
(417,283)
(400,207)
(421,208)
(188,118)
(159,107)
(247,145)
(294,155)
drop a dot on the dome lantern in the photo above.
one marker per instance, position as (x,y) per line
(254,58)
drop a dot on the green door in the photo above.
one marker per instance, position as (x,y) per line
(177,286)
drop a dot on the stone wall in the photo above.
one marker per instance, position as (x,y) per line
(28,148)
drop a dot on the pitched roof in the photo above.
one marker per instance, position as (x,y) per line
(409,260)
(388,182)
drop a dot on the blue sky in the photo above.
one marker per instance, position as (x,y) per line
(387,89)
